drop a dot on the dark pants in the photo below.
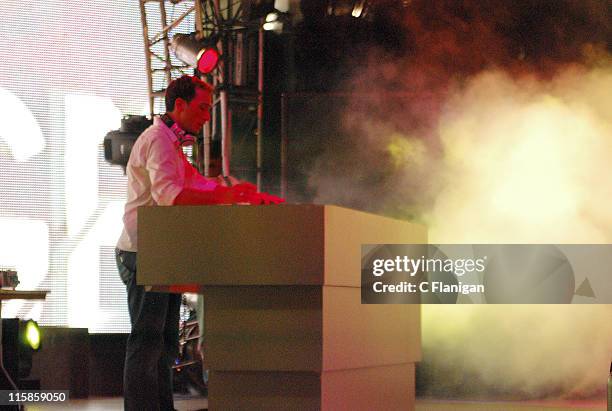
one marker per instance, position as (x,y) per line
(152,345)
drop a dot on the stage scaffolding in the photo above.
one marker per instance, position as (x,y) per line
(237,27)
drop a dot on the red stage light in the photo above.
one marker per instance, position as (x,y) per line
(200,54)
(207,60)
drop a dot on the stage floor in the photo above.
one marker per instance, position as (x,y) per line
(183,403)
(550,405)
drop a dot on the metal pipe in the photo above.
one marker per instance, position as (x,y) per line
(175,23)
(168,68)
(226,138)
(145,34)
(198,20)
(206,149)
(217,11)
(283,146)
(260,90)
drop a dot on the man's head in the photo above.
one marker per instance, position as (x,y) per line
(188,101)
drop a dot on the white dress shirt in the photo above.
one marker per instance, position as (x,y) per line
(157,172)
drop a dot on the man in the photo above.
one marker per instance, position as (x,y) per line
(159,174)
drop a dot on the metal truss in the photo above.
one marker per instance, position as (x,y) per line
(227,21)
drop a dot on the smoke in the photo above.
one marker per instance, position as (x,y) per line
(494,127)
(515,352)
(525,161)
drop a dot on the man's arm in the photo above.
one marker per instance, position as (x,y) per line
(214,191)
(165,168)
(224,195)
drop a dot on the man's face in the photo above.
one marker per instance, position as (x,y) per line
(191,116)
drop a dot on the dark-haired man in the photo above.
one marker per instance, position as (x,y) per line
(159,174)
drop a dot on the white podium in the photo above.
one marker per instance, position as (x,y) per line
(285,327)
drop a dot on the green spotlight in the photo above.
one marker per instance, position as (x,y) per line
(32,334)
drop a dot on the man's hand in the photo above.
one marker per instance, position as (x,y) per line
(247,193)
(270,199)
(245,187)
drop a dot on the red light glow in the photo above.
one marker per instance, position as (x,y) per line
(208,60)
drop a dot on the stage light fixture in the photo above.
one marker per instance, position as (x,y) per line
(272,17)
(118,143)
(32,334)
(356,8)
(200,54)
(273,23)
(20,340)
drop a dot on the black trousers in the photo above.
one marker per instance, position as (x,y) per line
(152,346)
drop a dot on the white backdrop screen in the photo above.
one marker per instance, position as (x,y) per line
(68,71)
